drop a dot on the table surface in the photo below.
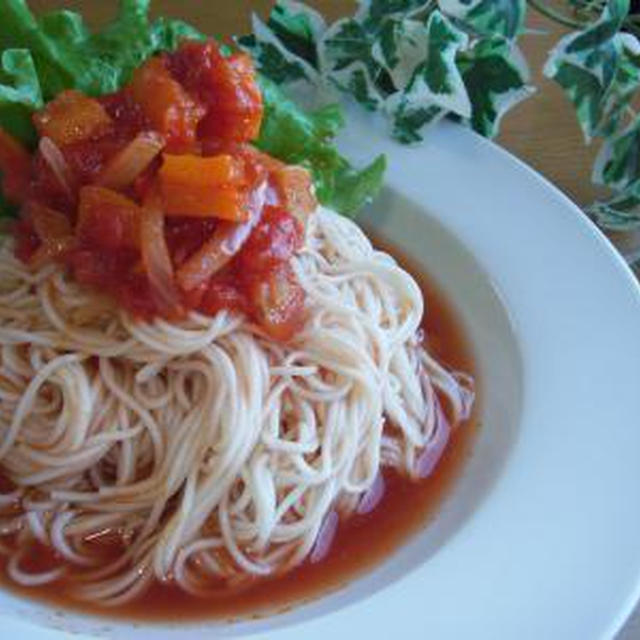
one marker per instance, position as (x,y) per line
(542,131)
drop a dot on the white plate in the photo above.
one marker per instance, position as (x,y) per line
(541,536)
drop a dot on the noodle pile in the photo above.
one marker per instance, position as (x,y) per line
(212,453)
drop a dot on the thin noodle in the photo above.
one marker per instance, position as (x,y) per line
(211,452)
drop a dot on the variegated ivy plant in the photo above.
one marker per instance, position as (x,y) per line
(419,61)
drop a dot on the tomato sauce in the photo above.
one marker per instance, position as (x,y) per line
(361,542)
(155,195)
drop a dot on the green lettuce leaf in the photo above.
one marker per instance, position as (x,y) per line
(303,138)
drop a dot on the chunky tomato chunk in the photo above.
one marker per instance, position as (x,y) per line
(274,240)
(224,293)
(166,105)
(107,219)
(277,302)
(15,166)
(226,85)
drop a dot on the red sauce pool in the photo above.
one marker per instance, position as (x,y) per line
(361,542)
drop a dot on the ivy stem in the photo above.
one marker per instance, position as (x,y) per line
(554,15)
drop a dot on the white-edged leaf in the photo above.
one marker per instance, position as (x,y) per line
(488,17)
(496,77)
(595,68)
(344,43)
(299,28)
(345,55)
(411,122)
(617,164)
(436,88)
(621,212)
(356,81)
(372,13)
(437,81)
(273,58)
(401,46)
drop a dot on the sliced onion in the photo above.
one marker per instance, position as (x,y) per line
(227,239)
(326,534)
(155,254)
(467,394)
(53,228)
(131,161)
(434,449)
(371,499)
(60,167)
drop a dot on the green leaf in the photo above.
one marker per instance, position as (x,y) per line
(400,48)
(410,122)
(166,34)
(273,58)
(350,189)
(437,81)
(19,93)
(436,87)
(598,70)
(496,78)
(584,91)
(488,17)
(372,13)
(620,213)
(303,138)
(299,28)
(618,162)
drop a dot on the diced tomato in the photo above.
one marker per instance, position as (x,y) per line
(46,188)
(88,158)
(167,106)
(295,187)
(186,235)
(101,268)
(15,166)
(135,295)
(221,294)
(72,117)
(54,231)
(275,239)
(154,196)
(26,241)
(126,113)
(226,85)
(107,219)
(277,302)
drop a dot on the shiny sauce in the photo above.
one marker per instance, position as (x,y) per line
(362,541)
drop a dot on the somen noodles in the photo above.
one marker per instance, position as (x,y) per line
(199,444)
(216,451)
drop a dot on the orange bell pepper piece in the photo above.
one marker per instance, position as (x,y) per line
(72,117)
(210,187)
